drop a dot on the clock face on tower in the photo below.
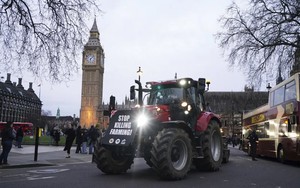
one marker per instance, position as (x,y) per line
(90,59)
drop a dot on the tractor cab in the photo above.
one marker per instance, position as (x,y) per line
(182,98)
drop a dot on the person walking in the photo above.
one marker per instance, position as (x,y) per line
(253,139)
(233,140)
(57,136)
(84,140)
(79,135)
(93,134)
(19,137)
(70,132)
(8,136)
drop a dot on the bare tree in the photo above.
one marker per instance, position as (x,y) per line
(43,36)
(261,39)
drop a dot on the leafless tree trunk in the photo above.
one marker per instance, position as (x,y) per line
(262,38)
(43,36)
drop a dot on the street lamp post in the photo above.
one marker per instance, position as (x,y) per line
(139,73)
(269,87)
(40,88)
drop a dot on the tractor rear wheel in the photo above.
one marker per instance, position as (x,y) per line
(212,149)
(110,163)
(171,153)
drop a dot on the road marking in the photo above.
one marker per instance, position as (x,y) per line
(48,171)
(39,178)
(16,175)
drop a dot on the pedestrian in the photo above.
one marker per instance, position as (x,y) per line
(19,137)
(253,139)
(79,135)
(233,140)
(56,136)
(84,140)
(7,141)
(70,132)
(241,143)
(93,134)
(51,134)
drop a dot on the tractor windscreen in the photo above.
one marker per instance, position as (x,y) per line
(160,95)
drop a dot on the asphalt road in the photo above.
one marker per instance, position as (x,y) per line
(240,172)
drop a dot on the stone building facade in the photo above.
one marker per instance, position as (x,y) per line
(18,104)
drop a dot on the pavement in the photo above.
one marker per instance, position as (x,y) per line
(46,156)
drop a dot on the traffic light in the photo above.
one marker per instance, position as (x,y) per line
(132,92)
(112,103)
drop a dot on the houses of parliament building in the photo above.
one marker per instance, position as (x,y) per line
(18,104)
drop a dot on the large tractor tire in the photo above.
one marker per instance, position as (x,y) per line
(212,149)
(110,163)
(171,154)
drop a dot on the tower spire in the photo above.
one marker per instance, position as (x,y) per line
(94,39)
(279,78)
(94,27)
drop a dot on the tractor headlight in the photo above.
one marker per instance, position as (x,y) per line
(187,107)
(184,104)
(142,120)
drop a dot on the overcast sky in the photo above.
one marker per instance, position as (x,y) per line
(163,37)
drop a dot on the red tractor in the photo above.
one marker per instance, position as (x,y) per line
(172,132)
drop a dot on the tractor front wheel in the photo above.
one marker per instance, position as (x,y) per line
(171,153)
(109,162)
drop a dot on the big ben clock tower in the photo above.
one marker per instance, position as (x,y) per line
(91,111)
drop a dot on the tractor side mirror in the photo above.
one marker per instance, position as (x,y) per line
(201,85)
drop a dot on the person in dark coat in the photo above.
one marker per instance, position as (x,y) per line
(8,136)
(84,140)
(70,132)
(253,139)
(20,135)
(79,135)
(56,136)
(93,134)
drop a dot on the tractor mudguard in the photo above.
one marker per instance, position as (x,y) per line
(203,120)
(121,130)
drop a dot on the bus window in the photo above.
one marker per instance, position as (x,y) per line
(271,99)
(262,130)
(290,91)
(247,132)
(279,95)
(283,128)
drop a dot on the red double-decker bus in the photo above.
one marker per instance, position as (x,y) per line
(27,127)
(277,123)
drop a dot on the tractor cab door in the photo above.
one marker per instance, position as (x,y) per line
(192,110)
(200,102)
